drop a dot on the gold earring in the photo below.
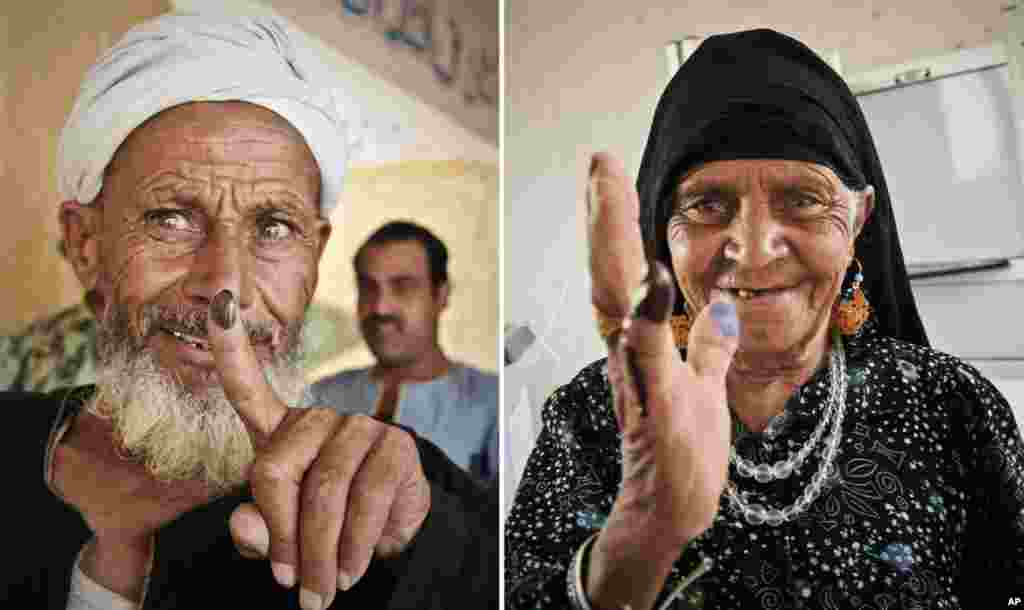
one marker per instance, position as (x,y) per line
(852,309)
(606,325)
(681,328)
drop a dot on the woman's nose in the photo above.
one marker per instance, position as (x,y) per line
(755,238)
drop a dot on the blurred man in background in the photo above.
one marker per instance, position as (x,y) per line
(402,278)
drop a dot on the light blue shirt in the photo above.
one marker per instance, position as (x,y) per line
(457,412)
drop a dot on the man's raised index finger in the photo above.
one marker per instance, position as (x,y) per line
(240,371)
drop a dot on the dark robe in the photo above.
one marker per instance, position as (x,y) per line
(451,562)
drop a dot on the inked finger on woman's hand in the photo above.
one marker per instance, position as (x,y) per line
(647,336)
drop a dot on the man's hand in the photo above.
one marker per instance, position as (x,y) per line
(673,414)
(122,504)
(331,490)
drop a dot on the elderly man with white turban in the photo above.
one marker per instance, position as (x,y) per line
(198,168)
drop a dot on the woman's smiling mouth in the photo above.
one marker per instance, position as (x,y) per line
(767,296)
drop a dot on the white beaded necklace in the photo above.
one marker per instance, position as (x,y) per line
(755,514)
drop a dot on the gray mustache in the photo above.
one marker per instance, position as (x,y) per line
(195,322)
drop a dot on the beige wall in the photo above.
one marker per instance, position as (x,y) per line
(51,45)
(413,116)
(472,95)
(458,202)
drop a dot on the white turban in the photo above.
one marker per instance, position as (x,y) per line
(175,59)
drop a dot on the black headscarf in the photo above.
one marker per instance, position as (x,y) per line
(761,94)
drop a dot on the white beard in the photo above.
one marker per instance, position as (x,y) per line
(176,434)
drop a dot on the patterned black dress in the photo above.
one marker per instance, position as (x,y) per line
(924,509)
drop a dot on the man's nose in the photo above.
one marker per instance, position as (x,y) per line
(756,238)
(381,302)
(219,264)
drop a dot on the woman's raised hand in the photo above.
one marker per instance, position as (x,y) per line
(673,414)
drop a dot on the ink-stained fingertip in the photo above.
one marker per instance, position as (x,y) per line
(224,309)
(655,298)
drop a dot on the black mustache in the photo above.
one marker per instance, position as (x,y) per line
(378,319)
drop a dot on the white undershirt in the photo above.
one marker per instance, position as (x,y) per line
(87,594)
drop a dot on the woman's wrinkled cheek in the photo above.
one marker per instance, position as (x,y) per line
(679,252)
(833,226)
(830,237)
(827,289)
(831,260)
(693,250)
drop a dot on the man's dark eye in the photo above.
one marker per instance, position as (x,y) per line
(275,229)
(169,220)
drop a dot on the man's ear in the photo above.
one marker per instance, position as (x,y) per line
(323,233)
(80,225)
(442,296)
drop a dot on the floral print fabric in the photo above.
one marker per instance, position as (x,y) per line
(926,498)
(54,352)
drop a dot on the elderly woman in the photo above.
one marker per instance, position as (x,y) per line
(786,438)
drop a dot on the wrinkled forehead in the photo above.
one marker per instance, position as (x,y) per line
(229,133)
(773,174)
